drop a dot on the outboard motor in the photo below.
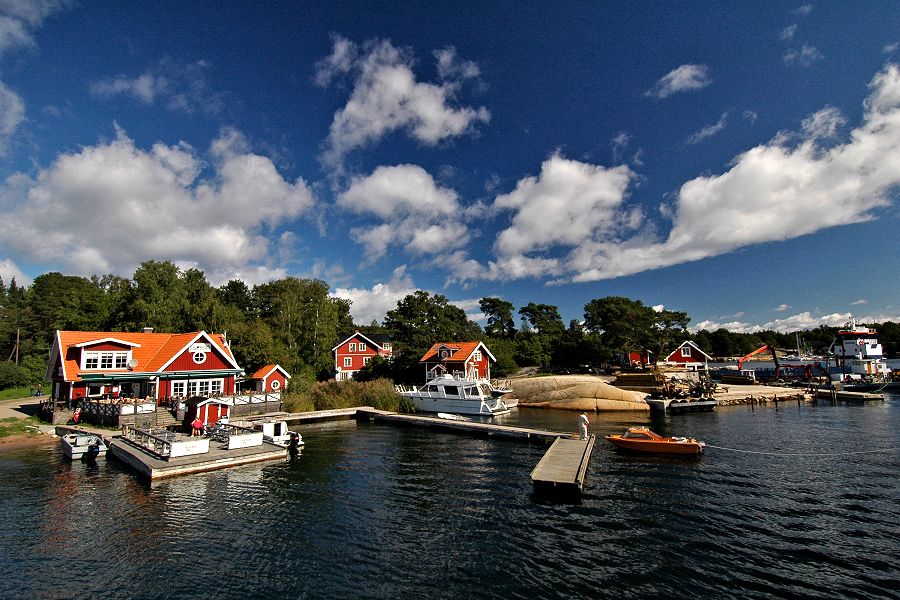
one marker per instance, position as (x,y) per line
(294,444)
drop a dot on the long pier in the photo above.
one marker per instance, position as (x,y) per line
(563,468)
(469,427)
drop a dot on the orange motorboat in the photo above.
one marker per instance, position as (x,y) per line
(641,439)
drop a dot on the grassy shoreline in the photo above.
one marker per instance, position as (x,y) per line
(329,395)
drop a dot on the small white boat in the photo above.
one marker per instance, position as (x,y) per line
(456,395)
(78,445)
(277,432)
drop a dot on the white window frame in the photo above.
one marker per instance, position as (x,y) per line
(104,360)
(477,356)
(362,346)
(352,347)
(367,360)
(348,362)
(685,352)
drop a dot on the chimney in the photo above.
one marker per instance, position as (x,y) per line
(147,330)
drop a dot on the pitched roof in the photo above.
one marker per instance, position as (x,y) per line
(692,345)
(459,351)
(267,370)
(376,340)
(152,351)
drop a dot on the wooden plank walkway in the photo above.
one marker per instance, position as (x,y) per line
(564,467)
(470,427)
(150,465)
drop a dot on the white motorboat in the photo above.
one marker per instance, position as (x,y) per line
(78,445)
(277,432)
(455,395)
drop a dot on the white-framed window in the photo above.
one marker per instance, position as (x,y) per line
(685,352)
(199,357)
(348,362)
(276,384)
(386,346)
(476,356)
(198,387)
(362,346)
(352,346)
(105,360)
(367,360)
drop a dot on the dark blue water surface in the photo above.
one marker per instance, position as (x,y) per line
(809,508)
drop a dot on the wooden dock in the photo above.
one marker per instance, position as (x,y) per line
(151,465)
(848,396)
(563,468)
(467,427)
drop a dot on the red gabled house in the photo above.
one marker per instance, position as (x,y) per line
(270,378)
(356,351)
(471,360)
(94,365)
(688,354)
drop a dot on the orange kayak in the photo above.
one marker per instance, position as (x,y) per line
(641,439)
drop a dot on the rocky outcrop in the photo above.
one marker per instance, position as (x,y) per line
(575,392)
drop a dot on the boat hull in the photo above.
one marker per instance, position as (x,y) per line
(76,446)
(459,406)
(665,446)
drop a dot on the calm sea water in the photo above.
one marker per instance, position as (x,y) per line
(803,503)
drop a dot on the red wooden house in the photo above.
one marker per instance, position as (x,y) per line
(356,351)
(688,354)
(270,378)
(94,365)
(465,359)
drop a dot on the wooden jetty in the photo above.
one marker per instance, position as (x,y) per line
(563,468)
(469,427)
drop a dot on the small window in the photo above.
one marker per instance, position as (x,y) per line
(352,346)
(348,362)
(106,360)
(91,361)
(199,357)
(477,356)
(367,360)
(686,352)
(362,346)
(444,354)
(386,347)
(451,390)
(178,388)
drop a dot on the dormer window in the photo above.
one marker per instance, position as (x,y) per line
(105,360)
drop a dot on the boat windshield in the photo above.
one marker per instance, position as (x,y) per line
(636,435)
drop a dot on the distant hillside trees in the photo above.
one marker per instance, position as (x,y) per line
(295,323)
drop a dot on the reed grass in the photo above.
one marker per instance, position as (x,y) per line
(329,395)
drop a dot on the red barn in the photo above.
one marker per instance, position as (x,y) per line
(465,359)
(94,365)
(270,378)
(356,351)
(688,354)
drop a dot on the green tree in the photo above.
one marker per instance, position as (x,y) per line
(624,325)
(500,321)
(670,328)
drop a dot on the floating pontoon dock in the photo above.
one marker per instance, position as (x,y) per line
(563,468)
(164,455)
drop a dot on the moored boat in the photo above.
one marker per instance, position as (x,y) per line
(457,395)
(277,432)
(80,445)
(641,439)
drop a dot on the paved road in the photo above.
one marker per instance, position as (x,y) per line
(20,408)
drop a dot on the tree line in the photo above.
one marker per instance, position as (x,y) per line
(295,323)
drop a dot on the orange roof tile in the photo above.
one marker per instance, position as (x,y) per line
(461,351)
(151,350)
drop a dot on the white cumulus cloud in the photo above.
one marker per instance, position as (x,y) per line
(112,206)
(387,97)
(683,79)
(408,209)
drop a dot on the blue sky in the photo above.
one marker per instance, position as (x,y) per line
(738,161)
